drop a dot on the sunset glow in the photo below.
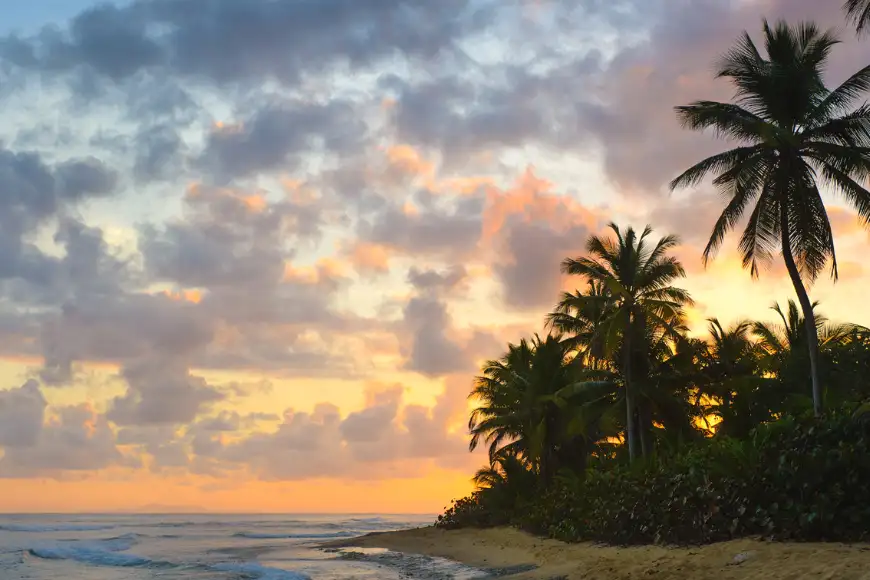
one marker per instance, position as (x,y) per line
(260,275)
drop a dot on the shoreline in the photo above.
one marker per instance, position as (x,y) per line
(504,550)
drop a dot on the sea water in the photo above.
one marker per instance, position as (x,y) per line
(205,547)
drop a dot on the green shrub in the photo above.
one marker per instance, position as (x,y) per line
(473,511)
(797,479)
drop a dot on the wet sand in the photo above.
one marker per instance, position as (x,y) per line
(509,549)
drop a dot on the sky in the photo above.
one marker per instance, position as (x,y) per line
(252,253)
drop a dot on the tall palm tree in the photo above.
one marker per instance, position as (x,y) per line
(858,11)
(795,134)
(637,276)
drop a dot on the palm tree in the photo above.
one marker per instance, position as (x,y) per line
(783,344)
(508,473)
(639,294)
(785,338)
(794,135)
(577,317)
(520,408)
(730,375)
(858,11)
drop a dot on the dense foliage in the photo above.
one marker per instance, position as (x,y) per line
(793,479)
(621,426)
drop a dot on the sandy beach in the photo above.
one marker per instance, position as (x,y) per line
(506,548)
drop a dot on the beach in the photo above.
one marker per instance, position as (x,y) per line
(507,549)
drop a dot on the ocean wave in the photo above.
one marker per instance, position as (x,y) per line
(92,556)
(267,536)
(105,552)
(259,572)
(54,528)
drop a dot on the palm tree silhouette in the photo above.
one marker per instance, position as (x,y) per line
(795,134)
(858,11)
(638,279)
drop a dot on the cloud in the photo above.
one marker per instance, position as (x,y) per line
(370,258)
(386,438)
(436,282)
(161,392)
(127,327)
(159,154)
(40,442)
(276,136)
(533,228)
(21,415)
(440,228)
(227,42)
(34,190)
(433,348)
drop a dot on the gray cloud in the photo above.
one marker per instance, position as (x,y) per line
(433,350)
(32,190)
(533,252)
(451,231)
(78,440)
(123,328)
(429,340)
(226,243)
(159,154)
(161,392)
(277,135)
(225,41)
(21,415)
(433,281)
(31,193)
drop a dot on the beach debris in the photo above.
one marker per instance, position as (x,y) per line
(740,558)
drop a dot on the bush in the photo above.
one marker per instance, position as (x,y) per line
(795,479)
(473,511)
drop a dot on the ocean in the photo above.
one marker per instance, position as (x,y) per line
(208,547)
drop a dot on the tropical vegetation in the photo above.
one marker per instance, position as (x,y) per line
(621,425)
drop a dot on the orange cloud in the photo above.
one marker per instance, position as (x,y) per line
(465,185)
(408,160)
(255,202)
(370,257)
(323,270)
(533,199)
(193,296)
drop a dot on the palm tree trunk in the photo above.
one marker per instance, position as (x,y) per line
(807,307)
(644,420)
(629,395)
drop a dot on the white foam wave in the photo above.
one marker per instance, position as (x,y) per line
(54,528)
(259,572)
(267,536)
(87,555)
(107,552)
